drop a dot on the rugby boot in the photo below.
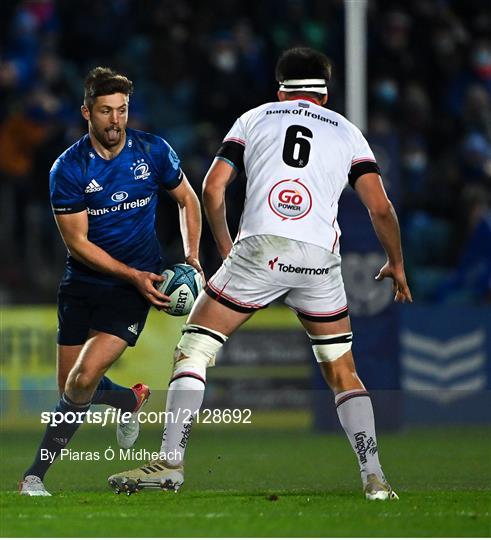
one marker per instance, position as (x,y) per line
(33,486)
(127,432)
(157,474)
(378,490)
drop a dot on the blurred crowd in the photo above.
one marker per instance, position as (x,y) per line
(196,66)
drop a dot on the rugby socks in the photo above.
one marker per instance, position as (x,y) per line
(56,437)
(109,393)
(184,399)
(355,412)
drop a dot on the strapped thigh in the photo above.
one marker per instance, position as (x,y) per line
(196,351)
(330,347)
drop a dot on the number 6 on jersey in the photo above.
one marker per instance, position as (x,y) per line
(296,149)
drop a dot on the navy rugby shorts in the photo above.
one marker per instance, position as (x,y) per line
(119,310)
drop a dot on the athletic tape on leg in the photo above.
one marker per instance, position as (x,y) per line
(329,348)
(197,350)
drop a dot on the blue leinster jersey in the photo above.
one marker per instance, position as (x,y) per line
(120,196)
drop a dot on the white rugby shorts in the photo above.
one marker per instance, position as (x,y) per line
(263,268)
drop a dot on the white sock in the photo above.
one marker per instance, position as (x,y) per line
(184,399)
(355,412)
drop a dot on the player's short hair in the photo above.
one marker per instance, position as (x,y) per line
(301,63)
(103,81)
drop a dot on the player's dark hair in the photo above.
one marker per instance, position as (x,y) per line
(303,63)
(103,81)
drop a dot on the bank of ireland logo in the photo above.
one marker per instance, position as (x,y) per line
(290,199)
(119,196)
(140,169)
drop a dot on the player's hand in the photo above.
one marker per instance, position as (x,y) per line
(144,282)
(399,282)
(194,262)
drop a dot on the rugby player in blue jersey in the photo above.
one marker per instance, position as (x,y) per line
(104,191)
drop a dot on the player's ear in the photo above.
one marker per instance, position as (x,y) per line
(85,112)
(281,95)
(324,99)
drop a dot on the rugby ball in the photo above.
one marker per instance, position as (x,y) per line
(182,284)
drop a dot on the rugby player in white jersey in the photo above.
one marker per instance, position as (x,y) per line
(298,157)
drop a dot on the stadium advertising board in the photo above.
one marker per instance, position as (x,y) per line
(446,364)
(267,365)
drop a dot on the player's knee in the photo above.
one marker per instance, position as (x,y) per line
(331,347)
(81,381)
(197,349)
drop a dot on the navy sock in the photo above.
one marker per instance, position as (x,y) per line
(57,437)
(109,393)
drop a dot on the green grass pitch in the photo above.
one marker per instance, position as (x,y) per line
(260,483)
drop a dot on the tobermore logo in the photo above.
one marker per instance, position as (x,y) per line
(290,199)
(297,269)
(93,186)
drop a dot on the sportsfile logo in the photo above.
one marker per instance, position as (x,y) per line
(289,268)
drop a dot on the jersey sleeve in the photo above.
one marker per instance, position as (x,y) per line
(232,148)
(171,174)
(66,190)
(363,161)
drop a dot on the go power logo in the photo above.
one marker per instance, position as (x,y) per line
(290,199)
(289,268)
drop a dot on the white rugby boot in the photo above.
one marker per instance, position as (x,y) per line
(127,432)
(33,486)
(157,474)
(376,489)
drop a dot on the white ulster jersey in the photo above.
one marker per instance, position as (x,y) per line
(297,158)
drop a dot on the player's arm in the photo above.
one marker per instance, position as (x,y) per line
(189,220)
(384,219)
(74,229)
(217,179)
